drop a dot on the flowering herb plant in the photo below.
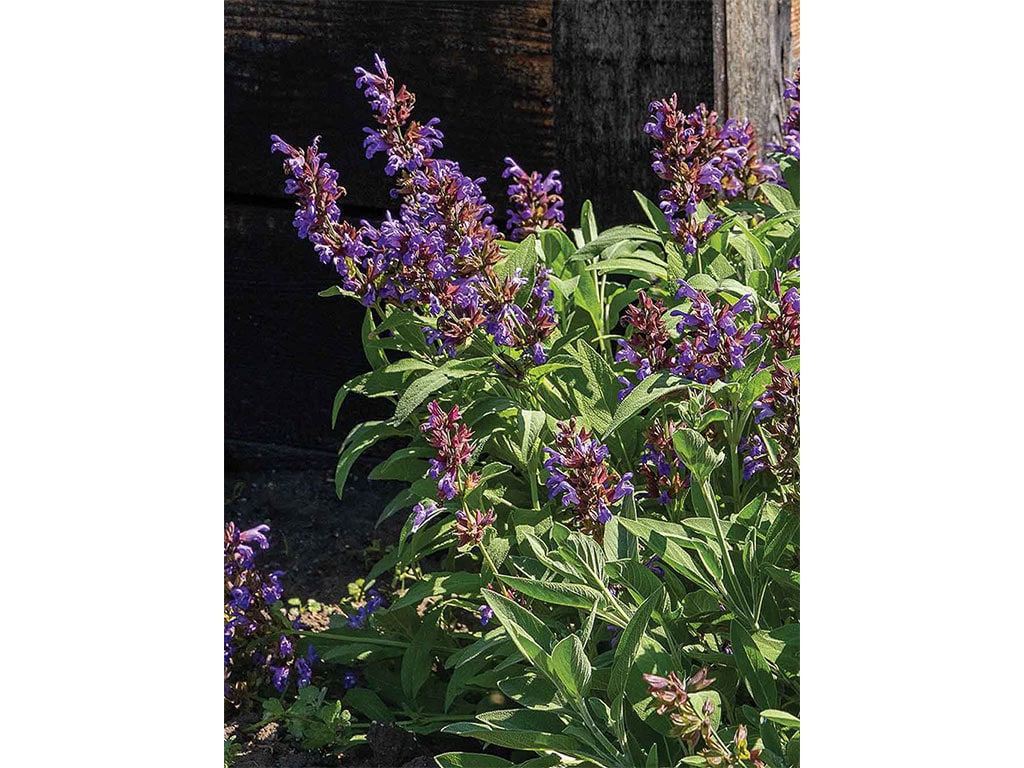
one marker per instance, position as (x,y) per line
(599,436)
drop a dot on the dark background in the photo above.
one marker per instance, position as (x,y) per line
(554,83)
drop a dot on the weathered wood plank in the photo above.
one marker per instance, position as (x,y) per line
(611,60)
(484,68)
(758,57)
(286,350)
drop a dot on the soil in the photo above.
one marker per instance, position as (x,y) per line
(319,542)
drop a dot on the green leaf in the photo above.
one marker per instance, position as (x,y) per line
(515,739)
(628,266)
(531,425)
(532,691)
(374,354)
(417,392)
(409,464)
(628,647)
(587,299)
(677,558)
(710,417)
(779,535)
(752,665)
(780,199)
(569,662)
(782,718)
(418,658)
(368,703)
(523,257)
(588,222)
(702,282)
(613,237)
(654,214)
(696,453)
(359,439)
(646,392)
(783,577)
(720,268)
(530,635)
(556,593)
(596,388)
(471,760)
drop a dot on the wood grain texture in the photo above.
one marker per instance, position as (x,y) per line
(484,68)
(611,60)
(758,57)
(286,350)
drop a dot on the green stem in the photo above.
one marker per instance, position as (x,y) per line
(730,571)
(487,557)
(349,638)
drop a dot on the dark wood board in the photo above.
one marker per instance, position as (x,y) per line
(483,68)
(286,350)
(612,59)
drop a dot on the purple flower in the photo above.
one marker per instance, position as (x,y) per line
(285,647)
(452,439)
(751,450)
(712,343)
(279,677)
(486,614)
(437,256)
(653,567)
(373,601)
(536,201)
(257,534)
(701,162)
(350,679)
(304,666)
(423,512)
(791,127)
(577,473)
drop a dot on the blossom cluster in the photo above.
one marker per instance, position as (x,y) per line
(674,696)
(783,331)
(701,162)
(535,201)
(791,125)
(777,412)
(471,524)
(713,342)
(249,626)
(752,452)
(452,439)
(437,256)
(282,660)
(373,600)
(577,472)
(647,346)
(663,473)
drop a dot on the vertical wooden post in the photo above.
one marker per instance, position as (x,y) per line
(757,52)
(611,59)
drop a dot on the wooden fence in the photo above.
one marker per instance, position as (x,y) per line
(554,83)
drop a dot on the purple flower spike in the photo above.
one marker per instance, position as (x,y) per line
(578,474)
(791,127)
(751,450)
(279,677)
(536,201)
(701,162)
(486,614)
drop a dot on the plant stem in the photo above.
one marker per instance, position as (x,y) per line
(730,571)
